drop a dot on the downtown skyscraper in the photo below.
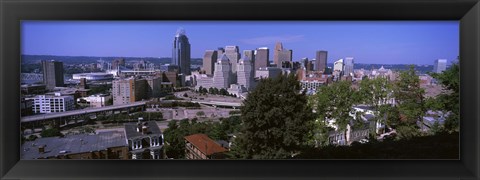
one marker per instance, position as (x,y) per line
(181,52)
(222,73)
(245,72)
(261,58)
(209,59)
(348,66)
(439,65)
(52,74)
(321,61)
(233,54)
(282,57)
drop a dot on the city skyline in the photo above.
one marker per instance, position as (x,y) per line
(386,42)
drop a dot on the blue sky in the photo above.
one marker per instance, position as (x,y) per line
(386,42)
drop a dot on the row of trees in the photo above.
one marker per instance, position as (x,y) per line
(278,121)
(214,91)
(177,130)
(131,117)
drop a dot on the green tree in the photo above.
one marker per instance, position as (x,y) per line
(410,101)
(200,113)
(334,102)
(277,122)
(217,131)
(450,100)
(223,92)
(52,132)
(175,144)
(376,93)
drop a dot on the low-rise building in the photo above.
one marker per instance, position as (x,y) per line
(51,104)
(93,76)
(200,146)
(104,145)
(99,100)
(268,72)
(33,88)
(145,140)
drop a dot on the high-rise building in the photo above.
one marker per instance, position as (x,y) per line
(439,65)
(118,62)
(125,91)
(154,86)
(348,66)
(304,62)
(220,51)
(181,52)
(261,58)
(245,72)
(285,57)
(209,60)
(233,54)
(282,57)
(338,65)
(221,75)
(251,56)
(321,57)
(52,74)
(278,48)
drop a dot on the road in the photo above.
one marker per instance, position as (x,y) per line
(161,124)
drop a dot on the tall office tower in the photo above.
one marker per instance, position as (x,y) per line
(209,60)
(125,91)
(121,62)
(321,57)
(304,62)
(251,56)
(278,48)
(221,75)
(220,51)
(348,66)
(233,54)
(281,55)
(118,62)
(154,86)
(181,52)
(285,57)
(439,65)
(338,65)
(261,58)
(52,74)
(310,66)
(245,72)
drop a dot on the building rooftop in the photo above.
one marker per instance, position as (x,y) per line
(206,145)
(72,144)
(92,74)
(132,133)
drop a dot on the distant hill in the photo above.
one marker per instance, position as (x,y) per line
(35,59)
(394,67)
(195,62)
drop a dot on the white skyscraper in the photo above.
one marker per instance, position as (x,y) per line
(221,75)
(233,54)
(439,65)
(338,65)
(245,72)
(348,66)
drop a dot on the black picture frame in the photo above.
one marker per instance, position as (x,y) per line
(13,11)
